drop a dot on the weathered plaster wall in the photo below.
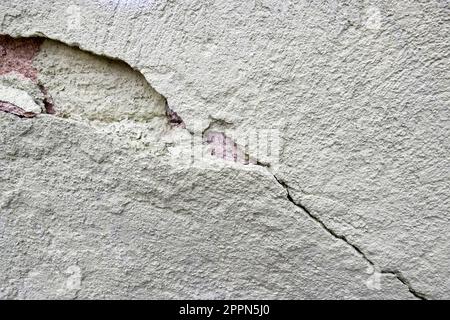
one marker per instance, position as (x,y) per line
(107,191)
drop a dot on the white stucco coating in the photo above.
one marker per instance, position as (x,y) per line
(111,201)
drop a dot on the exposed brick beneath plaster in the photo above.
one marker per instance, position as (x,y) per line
(17,56)
(223,147)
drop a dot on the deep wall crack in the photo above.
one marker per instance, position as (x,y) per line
(175,120)
(395,273)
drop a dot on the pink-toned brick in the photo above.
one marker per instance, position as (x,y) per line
(16,55)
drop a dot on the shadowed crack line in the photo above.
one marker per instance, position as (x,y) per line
(176,121)
(399,276)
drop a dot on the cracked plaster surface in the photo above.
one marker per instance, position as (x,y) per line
(356,207)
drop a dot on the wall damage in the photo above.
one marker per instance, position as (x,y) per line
(140,173)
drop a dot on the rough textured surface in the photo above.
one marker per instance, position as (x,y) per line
(95,88)
(139,228)
(17,56)
(356,206)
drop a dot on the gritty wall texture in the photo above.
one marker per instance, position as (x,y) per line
(107,105)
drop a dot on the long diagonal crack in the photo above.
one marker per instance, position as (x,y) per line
(399,276)
(25,68)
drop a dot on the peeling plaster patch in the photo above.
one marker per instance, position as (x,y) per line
(94,88)
(37,74)
(106,93)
